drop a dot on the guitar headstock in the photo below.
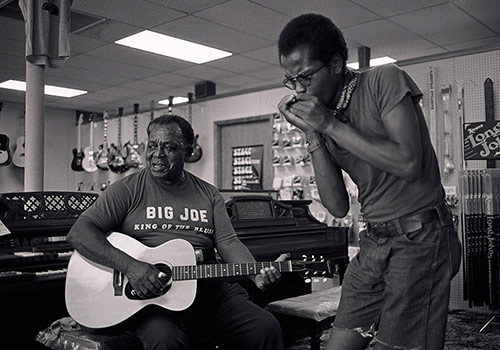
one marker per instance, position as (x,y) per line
(313,269)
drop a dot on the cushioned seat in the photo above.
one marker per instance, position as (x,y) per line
(311,313)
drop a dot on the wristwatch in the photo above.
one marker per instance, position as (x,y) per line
(311,147)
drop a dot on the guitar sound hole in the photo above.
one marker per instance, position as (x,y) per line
(167,279)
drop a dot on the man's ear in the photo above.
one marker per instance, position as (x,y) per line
(337,64)
(189,152)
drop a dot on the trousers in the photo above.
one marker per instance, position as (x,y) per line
(397,288)
(221,311)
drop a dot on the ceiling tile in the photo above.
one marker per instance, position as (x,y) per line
(267,54)
(135,57)
(488,42)
(247,17)
(239,80)
(12,47)
(214,34)
(343,13)
(239,64)
(485,11)
(81,44)
(274,74)
(443,24)
(154,13)
(77,74)
(13,62)
(145,86)
(110,66)
(12,28)
(61,80)
(172,79)
(110,31)
(10,73)
(387,8)
(202,72)
(384,35)
(188,6)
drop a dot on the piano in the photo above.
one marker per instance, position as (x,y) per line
(33,261)
(269,227)
(34,256)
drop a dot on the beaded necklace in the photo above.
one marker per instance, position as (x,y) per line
(346,95)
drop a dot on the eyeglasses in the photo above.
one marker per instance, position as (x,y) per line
(304,80)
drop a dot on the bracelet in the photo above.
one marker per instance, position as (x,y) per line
(311,147)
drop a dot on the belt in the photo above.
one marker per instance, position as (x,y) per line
(411,222)
(204,254)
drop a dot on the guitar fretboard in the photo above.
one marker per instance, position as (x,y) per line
(191,272)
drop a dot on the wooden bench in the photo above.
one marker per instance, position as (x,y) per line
(307,315)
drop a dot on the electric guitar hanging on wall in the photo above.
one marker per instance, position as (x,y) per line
(89,159)
(116,161)
(5,157)
(98,296)
(134,149)
(102,157)
(76,163)
(197,151)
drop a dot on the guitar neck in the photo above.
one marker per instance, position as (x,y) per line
(192,272)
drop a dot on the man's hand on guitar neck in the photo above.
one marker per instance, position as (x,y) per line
(146,279)
(269,276)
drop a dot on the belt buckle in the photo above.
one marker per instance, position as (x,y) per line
(380,229)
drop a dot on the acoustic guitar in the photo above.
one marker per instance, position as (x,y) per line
(19,155)
(103,153)
(134,150)
(5,156)
(98,296)
(76,163)
(116,161)
(89,158)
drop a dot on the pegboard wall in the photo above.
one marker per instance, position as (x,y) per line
(470,72)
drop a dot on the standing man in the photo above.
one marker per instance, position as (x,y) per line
(160,203)
(369,124)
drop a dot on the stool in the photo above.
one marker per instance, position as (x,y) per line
(307,315)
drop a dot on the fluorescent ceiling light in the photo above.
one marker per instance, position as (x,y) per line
(172,47)
(373,62)
(49,89)
(175,101)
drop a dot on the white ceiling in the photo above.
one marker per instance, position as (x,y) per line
(118,76)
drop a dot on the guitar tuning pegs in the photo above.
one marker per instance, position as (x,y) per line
(325,279)
(316,280)
(306,273)
(307,280)
(313,258)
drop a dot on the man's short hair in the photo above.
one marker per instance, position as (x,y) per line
(166,119)
(316,32)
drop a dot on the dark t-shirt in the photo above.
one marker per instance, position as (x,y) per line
(153,213)
(384,196)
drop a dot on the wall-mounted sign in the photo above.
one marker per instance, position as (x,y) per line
(482,140)
(247,167)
